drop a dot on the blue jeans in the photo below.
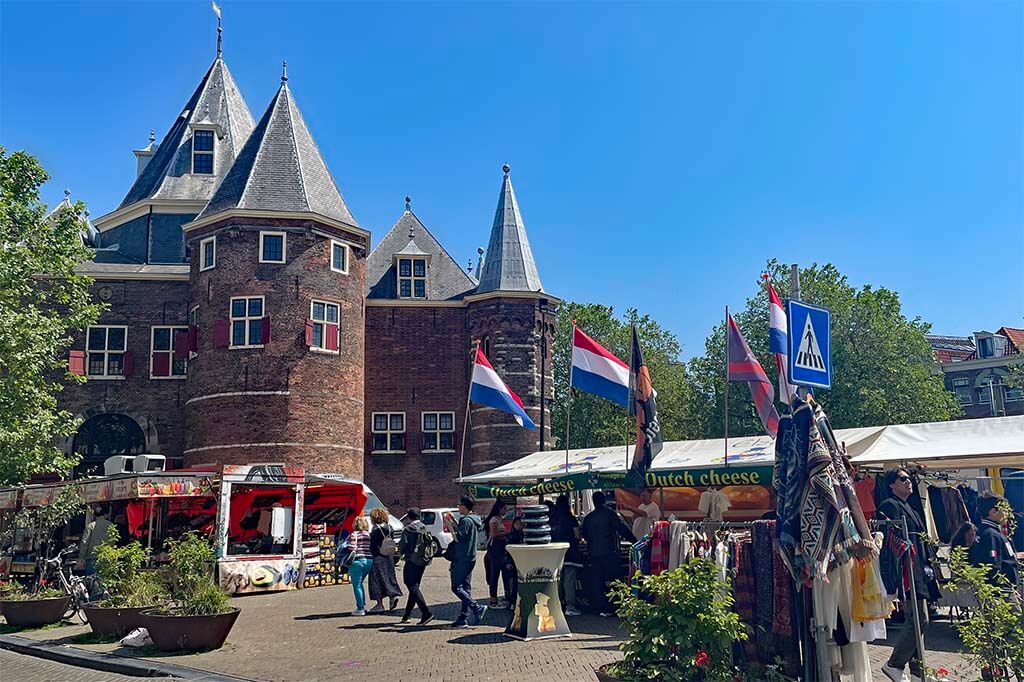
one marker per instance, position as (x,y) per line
(358,571)
(462,573)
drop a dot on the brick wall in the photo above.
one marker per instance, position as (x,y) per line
(417,360)
(155,404)
(282,402)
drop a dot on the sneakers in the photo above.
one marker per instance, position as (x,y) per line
(894,674)
(478,614)
(426,619)
(459,623)
(359,612)
(379,608)
(404,621)
(572,611)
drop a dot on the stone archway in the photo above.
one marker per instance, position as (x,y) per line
(105,432)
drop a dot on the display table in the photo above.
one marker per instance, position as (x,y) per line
(537,612)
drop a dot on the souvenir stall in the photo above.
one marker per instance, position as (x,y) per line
(20,555)
(330,507)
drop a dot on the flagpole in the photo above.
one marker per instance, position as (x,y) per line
(725,411)
(568,408)
(465,420)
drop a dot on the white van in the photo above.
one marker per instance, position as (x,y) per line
(436,520)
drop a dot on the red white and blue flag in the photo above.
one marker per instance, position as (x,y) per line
(778,342)
(595,370)
(743,366)
(488,389)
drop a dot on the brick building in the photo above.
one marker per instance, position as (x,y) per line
(974,368)
(249,319)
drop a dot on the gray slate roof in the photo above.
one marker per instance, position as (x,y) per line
(168,174)
(280,168)
(509,264)
(445,279)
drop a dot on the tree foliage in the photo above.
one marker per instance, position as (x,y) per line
(881,360)
(42,301)
(599,422)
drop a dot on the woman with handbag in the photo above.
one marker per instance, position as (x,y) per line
(383,580)
(359,561)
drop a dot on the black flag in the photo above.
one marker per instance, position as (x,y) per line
(643,404)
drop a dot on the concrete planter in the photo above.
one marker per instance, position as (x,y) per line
(34,613)
(189,633)
(114,622)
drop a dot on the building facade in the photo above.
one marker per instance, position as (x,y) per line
(975,369)
(249,319)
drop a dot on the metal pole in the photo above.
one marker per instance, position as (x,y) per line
(913,592)
(465,421)
(543,388)
(725,405)
(568,407)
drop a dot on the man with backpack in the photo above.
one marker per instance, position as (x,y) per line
(417,549)
(462,553)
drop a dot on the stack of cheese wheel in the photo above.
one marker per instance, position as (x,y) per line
(536,530)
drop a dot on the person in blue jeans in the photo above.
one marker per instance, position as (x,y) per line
(362,562)
(463,557)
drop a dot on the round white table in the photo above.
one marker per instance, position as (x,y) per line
(538,612)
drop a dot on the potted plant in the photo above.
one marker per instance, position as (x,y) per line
(128,590)
(681,626)
(33,609)
(199,615)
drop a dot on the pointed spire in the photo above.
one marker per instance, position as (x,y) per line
(509,264)
(280,169)
(284,72)
(220,31)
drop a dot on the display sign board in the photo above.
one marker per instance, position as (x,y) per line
(810,345)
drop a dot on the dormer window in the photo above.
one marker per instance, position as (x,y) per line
(202,152)
(412,277)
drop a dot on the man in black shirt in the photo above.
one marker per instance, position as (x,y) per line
(602,529)
(992,548)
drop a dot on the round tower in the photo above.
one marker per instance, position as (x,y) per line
(276,316)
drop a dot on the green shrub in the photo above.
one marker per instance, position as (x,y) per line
(19,593)
(681,625)
(119,571)
(193,590)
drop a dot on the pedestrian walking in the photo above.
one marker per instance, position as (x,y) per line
(359,544)
(462,553)
(417,550)
(383,580)
(497,540)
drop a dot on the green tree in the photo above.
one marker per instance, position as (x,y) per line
(42,302)
(599,422)
(881,361)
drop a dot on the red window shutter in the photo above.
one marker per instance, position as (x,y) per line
(193,338)
(221,333)
(331,334)
(76,362)
(129,363)
(309,333)
(161,364)
(181,345)
(265,331)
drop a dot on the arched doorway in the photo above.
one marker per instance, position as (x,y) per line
(103,436)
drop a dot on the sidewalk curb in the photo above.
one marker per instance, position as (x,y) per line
(111,663)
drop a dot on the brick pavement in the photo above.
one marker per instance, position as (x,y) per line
(24,668)
(308,635)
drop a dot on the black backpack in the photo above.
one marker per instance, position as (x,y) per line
(423,551)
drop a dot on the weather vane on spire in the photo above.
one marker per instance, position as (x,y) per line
(216,10)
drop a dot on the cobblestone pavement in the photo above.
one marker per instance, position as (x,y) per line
(309,635)
(22,668)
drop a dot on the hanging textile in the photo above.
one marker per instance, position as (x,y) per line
(970,498)
(713,504)
(865,489)
(745,594)
(659,547)
(764,585)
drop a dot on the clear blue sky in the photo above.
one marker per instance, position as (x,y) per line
(660,152)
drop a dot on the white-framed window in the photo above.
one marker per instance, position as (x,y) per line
(986,390)
(412,277)
(962,388)
(388,431)
(165,361)
(247,322)
(272,247)
(439,431)
(325,319)
(202,152)
(339,257)
(106,346)
(208,253)
(193,323)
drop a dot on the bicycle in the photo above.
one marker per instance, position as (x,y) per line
(53,571)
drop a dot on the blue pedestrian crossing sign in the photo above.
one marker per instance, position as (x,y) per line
(810,345)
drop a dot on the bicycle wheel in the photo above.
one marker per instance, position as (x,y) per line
(73,610)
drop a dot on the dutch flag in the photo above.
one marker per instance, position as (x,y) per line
(778,342)
(488,389)
(597,371)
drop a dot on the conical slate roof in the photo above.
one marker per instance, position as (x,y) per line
(216,101)
(509,264)
(280,169)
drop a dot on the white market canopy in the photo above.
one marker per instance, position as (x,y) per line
(997,441)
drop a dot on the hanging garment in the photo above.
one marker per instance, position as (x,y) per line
(659,547)
(869,604)
(722,559)
(678,544)
(858,533)
(745,594)
(865,489)
(713,504)
(764,586)
(788,478)
(970,498)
